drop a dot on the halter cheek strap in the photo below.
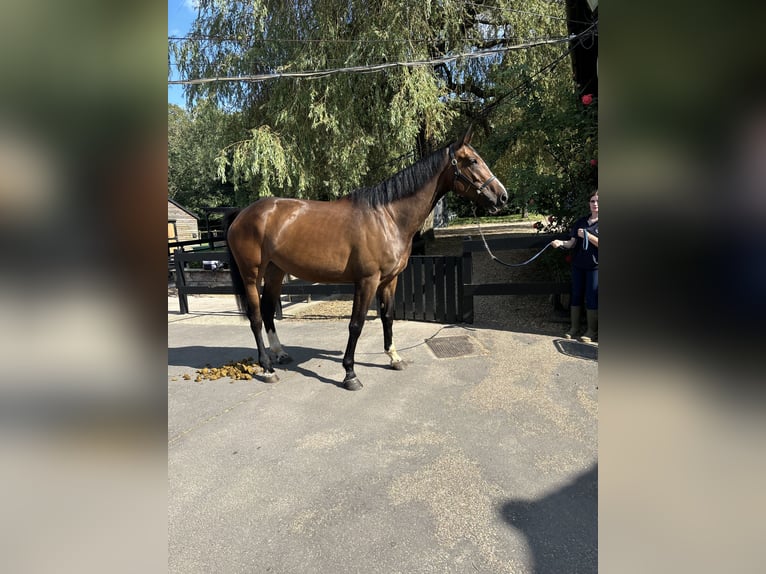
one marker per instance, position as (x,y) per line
(458,175)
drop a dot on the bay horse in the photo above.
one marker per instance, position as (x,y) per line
(363,238)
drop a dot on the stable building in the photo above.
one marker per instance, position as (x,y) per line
(183,225)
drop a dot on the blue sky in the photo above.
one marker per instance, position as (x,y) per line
(181,14)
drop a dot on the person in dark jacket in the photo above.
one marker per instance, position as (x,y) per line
(584,240)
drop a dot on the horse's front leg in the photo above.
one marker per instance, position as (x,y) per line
(386,300)
(363,293)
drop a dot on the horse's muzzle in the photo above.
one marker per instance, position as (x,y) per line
(497,200)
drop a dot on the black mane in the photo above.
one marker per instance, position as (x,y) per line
(402,184)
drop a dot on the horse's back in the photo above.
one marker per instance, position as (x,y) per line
(273,216)
(313,240)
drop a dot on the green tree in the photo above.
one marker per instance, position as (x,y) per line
(195,139)
(549,153)
(322,137)
(540,138)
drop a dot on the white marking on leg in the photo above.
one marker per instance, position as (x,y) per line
(395,358)
(276,346)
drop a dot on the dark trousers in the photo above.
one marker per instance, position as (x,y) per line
(585,287)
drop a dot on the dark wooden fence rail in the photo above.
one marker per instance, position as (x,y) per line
(431,288)
(211,242)
(180,259)
(199,244)
(500,244)
(290,288)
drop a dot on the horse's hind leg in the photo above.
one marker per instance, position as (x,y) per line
(272,287)
(386,302)
(256,324)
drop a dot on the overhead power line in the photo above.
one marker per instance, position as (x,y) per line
(518,89)
(379,67)
(269,40)
(197,37)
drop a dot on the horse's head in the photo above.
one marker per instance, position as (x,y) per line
(473,179)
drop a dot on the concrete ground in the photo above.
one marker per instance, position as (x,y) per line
(481,463)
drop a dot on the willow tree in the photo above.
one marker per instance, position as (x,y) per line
(320,135)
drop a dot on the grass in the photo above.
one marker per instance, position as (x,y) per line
(513,217)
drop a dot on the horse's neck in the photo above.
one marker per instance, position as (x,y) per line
(411,212)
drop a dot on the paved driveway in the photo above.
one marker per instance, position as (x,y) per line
(485,462)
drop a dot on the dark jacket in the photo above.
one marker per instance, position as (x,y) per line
(584,258)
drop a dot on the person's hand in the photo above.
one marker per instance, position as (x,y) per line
(556,243)
(581,233)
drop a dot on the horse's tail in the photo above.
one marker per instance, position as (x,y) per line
(236,276)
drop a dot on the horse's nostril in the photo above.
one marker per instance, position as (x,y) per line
(504,197)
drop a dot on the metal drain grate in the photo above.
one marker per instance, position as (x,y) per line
(577,349)
(449,347)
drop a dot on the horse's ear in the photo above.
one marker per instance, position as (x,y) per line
(468,135)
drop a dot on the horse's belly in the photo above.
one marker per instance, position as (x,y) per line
(314,275)
(316,266)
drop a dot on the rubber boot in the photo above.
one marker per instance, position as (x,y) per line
(575,311)
(591,333)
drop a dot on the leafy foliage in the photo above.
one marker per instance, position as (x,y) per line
(321,138)
(551,163)
(194,140)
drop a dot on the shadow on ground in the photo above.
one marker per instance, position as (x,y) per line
(561,528)
(198,356)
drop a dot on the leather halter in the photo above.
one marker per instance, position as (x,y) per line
(459,175)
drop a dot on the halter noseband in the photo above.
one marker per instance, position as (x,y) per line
(459,175)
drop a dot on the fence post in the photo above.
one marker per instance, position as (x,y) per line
(467,279)
(454,277)
(183,302)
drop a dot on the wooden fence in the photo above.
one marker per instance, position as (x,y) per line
(430,289)
(433,288)
(510,243)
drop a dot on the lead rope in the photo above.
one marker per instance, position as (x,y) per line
(492,255)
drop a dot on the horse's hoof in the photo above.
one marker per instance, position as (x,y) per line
(270,377)
(398,365)
(352,384)
(284,359)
